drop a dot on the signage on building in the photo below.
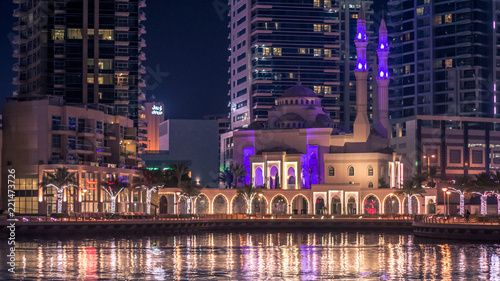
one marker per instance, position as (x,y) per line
(157,110)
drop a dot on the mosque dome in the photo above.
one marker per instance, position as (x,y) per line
(298,92)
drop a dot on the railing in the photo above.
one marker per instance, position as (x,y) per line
(439,219)
(86,130)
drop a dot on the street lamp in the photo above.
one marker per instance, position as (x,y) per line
(444,198)
(448,206)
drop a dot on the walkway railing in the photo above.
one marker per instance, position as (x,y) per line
(79,217)
(436,219)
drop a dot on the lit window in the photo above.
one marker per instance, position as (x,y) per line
(448,63)
(303,51)
(437,20)
(407,69)
(266,51)
(354,16)
(317,28)
(328,4)
(317,52)
(420,11)
(291,75)
(351,171)
(58,34)
(327,28)
(74,33)
(104,34)
(327,90)
(103,63)
(328,53)
(448,18)
(277,51)
(316,3)
(317,89)
(370,170)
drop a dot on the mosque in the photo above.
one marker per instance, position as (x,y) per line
(307,166)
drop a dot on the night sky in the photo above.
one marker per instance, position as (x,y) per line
(186,39)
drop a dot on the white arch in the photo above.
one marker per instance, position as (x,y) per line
(271,204)
(196,200)
(307,199)
(363,203)
(213,201)
(232,200)
(389,196)
(418,204)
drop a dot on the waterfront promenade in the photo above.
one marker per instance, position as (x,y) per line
(485,229)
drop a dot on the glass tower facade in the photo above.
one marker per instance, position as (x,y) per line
(275,44)
(444,58)
(87,51)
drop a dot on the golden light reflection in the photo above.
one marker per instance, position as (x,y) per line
(258,256)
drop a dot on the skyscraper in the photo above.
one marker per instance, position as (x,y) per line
(87,51)
(276,43)
(445,58)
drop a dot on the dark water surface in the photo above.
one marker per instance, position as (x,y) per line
(253,256)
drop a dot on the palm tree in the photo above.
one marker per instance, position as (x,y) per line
(238,171)
(462,186)
(190,190)
(248,192)
(483,185)
(60,179)
(150,181)
(382,183)
(179,171)
(411,187)
(114,186)
(432,175)
(496,189)
(226,177)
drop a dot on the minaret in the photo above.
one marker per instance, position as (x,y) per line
(361,123)
(382,124)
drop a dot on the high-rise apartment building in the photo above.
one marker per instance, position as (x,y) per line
(86,51)
(444,57)
(277,43)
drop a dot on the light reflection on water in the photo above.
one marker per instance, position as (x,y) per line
(255,256)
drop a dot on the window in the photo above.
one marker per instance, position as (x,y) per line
(317,27)
(58,34)
(437,20)
(328,53)
(56,122)
(448,18)
(74,33)
(477,157)
(72,123)
(242,56)
(277,51)
(241,32)
(103,64)
(331,171)
(56,141)
(99,127)
(351,171)
(241,104)
(370,185)
(266,51)
(455,156)
(370,170)
(242,20)
(104,34)
(317,52)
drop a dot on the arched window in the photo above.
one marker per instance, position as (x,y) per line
(301,101)
(307,101)
(351,171)
(296,101)
(370,170)
(286,102)
(331,171)
(294,125)
(288,125)
(370,185)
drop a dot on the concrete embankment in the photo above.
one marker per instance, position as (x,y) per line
(68,228)
(458,231)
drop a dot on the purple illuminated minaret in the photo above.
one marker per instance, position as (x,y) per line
(382,124)
(361,123)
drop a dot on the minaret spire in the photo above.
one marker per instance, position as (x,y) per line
(382,124)
(361,123)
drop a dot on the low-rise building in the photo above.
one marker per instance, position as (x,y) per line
(41,135)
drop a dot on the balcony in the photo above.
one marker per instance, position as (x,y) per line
(142,56)
(142,4)
(104,150)
(142,29)
(85,130)
(142,69)
(132,138)
(142,16)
